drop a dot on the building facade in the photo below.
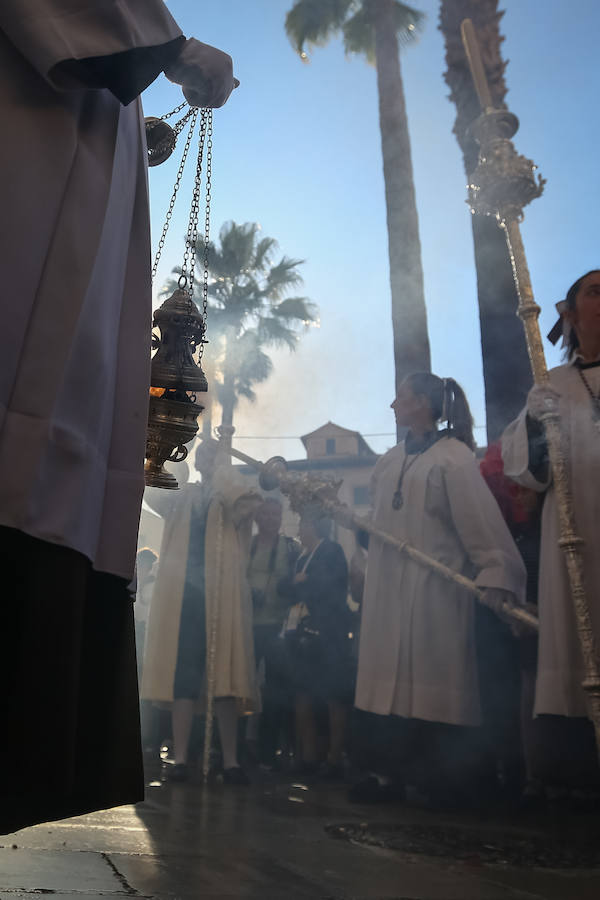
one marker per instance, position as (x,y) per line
(332,451)
(342,455)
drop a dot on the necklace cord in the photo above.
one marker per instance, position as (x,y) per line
(595,398)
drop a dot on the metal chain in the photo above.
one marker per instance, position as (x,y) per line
(165,229)
(179,126)
(208,179)
(186,281)
(208,130)
(175,111)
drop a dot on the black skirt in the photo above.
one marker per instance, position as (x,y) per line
(321,663)
(69,700)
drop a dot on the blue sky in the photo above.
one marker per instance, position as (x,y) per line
(297,149)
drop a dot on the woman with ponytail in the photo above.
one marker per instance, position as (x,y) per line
(417,660)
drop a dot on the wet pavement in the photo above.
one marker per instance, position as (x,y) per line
(279,841)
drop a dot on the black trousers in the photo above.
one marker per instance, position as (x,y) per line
(277,702)
(435,757)
(451,758)
(69,700)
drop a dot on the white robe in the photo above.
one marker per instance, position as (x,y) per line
(75,276)
(560,667)
(417,650)
(227,545)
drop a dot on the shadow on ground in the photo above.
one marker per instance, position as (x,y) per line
(278,840)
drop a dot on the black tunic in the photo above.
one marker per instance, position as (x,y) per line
(69,700)
(321,649)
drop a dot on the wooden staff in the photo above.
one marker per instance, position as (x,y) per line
(225,433)
(212,618)
(304,489)
(502,185)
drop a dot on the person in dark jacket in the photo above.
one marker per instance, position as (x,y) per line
(270,572)
(318,631)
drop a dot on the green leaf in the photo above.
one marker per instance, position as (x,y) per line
(314,22)
(271,330)
(264,248)
(248,310)
(296,308)
(359,31)
(359,35)
(409,23)
(281,277)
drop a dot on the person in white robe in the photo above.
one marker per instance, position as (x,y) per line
(576,387)
(76,312)
(417,655)
(202,574)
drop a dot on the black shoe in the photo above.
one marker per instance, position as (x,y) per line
(370,790)
(330,772)
(533,797)
(305,768)
(235,775)
(178,772)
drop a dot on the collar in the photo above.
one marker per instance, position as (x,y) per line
(414,444)
(309,556)
(577,360)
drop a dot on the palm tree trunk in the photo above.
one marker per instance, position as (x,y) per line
(409,316)
(228,389)
(506,367)
(226,429)
(227,400)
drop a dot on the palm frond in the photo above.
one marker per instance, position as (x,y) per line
(250,364)
(359,34)
(313,22)
(299,309)
(264,248)
(254,367)
(273,331)
(282,276)
(217,321)
(359,31)
(408,22)
(247,311)
(244,390)
(236,252)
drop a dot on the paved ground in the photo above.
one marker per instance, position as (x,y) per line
(266,842)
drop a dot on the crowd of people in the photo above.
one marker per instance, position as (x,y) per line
(415,687)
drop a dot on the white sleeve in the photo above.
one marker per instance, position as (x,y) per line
(482,530)
(515,455)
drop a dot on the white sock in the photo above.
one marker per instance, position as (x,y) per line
(227,718)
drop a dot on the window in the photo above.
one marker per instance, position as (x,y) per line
(361,495)
(330,446)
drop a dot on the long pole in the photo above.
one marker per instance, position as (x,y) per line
(212,618)
(225,433)
(502,185)
(308,489)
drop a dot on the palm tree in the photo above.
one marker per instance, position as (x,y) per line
(248,311)
(502,335)
(375,29)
